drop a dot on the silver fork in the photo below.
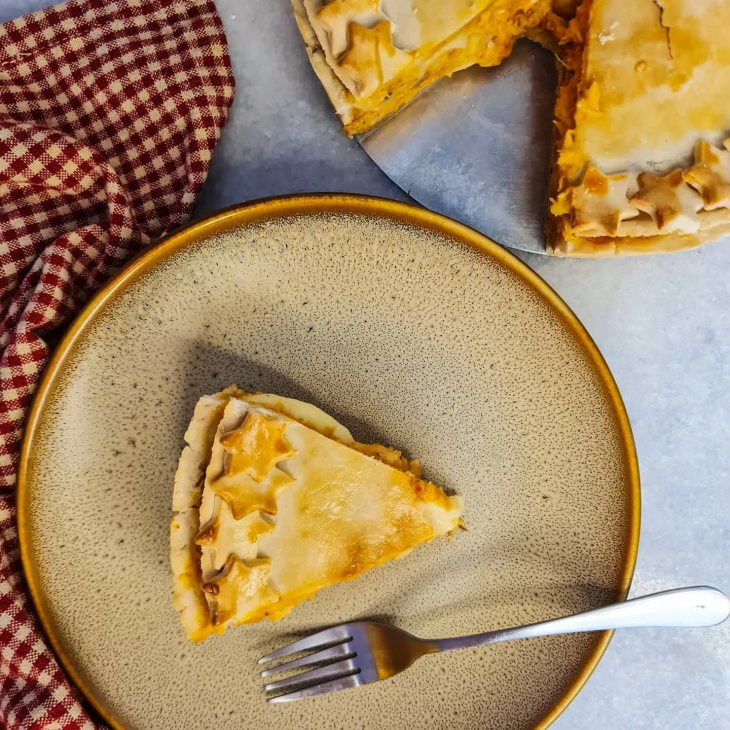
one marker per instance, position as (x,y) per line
(362,652)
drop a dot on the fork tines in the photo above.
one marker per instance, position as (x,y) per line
(335,655)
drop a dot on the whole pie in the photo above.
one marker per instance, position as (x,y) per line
(642,119)
(275,500)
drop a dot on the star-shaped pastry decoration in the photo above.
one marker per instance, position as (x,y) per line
(670,202)
(245,495)
(337,16)
(227,531)
(371,57)
(600,203)
(239,587)
(256,447)
(710,175)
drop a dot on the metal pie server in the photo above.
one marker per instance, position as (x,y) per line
(477,147)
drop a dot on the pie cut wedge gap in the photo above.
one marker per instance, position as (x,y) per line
(642,118)
(275,501)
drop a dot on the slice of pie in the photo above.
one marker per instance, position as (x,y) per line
(373,56)
(275,501)
(642,118)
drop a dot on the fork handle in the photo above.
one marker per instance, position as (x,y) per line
(680,608)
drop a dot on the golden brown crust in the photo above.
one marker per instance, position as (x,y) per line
(577,247)
(626,66)
(675,217)
(187,589)
(670,202)
(240,587)
(370,49)
(369,76)
(262,550)
(188,597)
(600,203)
(244,495)
(256,447)
(710,175)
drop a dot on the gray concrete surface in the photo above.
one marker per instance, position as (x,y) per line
(662,323)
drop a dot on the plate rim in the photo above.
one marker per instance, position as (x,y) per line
(283,206)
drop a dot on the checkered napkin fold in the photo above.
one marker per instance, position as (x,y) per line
(109,114)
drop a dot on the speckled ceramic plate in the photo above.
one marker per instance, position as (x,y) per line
(412,330)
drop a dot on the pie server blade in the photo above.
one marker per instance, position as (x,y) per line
(478,146)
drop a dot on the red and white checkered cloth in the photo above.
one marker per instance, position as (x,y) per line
(109,114)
